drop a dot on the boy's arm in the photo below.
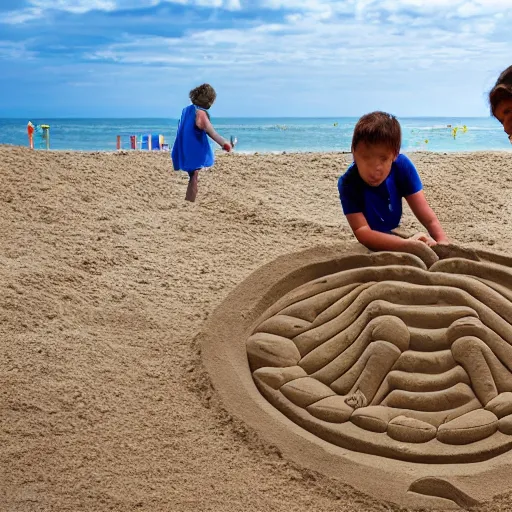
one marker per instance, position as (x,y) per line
(424,213)
(203,123)
(377,241)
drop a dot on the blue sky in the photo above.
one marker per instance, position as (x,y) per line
(124,58)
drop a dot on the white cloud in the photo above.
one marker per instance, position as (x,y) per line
(315,9)
(232,5)
(81,6)
(306,43)
(40,8)
(363,44)
(75,6)
(21,16)
(302,5)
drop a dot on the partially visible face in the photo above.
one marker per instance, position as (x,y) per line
(373,162)
(503,114)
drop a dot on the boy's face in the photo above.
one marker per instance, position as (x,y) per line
(504,115)
(373,162)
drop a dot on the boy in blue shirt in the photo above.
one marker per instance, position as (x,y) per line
(372,188)
(191,150)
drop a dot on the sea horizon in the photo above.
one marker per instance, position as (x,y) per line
(260,134)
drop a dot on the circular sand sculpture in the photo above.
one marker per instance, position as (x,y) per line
(361,356)
(423,356)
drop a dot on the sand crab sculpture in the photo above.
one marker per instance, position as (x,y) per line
(382,354)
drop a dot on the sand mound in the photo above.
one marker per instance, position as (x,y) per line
(419,354)
(381,356)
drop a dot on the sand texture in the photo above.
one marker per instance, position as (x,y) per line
(111,283)
(420,354)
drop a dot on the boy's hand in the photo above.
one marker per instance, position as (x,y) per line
(422,250)
(423,237)
(227,147)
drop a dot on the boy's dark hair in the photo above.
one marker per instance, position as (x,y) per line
(203,96)
(378,128)
(502,89)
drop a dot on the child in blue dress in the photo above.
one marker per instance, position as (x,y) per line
(191,150)
(372,188)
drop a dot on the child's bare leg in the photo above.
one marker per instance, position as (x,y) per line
(192,186)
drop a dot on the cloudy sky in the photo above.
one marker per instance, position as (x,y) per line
(123,58)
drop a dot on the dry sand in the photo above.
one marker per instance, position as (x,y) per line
(107,275)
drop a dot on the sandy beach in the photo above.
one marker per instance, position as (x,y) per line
(107,276)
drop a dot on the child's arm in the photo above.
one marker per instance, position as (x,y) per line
(377,241)
(203,123)
(424,213)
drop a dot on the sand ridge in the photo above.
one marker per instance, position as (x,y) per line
(107,275)
(394,347)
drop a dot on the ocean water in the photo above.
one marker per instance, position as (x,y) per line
(264,134)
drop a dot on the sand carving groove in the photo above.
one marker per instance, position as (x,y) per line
(394,359)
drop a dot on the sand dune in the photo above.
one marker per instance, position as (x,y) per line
(106,277)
